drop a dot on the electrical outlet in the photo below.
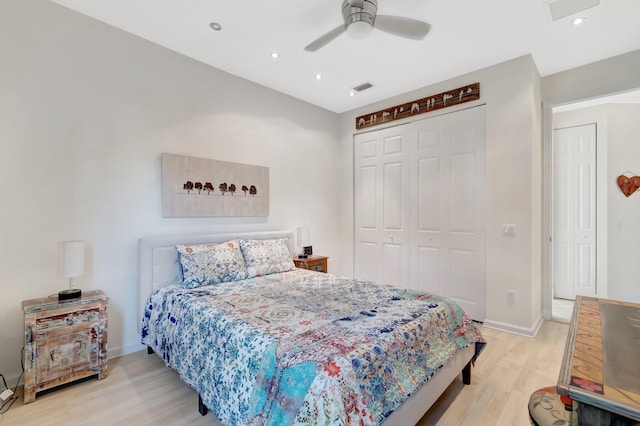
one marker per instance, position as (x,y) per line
(511,297)
(6,394)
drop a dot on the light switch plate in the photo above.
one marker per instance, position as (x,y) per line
(508,229)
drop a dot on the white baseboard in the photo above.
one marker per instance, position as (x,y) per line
(515,329)
(125,350)
(11,380)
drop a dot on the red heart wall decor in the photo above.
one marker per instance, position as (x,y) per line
(628,185)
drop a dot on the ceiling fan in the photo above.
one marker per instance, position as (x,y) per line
(360,18)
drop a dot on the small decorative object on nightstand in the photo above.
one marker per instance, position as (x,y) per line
(312,263)
(64,341)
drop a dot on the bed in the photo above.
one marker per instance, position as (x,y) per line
(355,356)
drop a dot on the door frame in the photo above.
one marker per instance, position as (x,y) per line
(601,211)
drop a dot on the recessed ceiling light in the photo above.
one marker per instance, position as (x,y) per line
(319,76)
(578,21)
(215,26)
(274,55)
(352,93)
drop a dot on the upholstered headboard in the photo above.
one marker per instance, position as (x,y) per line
(158,259)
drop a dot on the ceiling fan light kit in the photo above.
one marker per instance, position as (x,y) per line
(360,18)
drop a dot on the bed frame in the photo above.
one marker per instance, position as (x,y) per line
(158,267)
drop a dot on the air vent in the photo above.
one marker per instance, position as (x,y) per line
(362,87)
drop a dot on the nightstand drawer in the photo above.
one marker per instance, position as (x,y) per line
(312,263)
(80,319)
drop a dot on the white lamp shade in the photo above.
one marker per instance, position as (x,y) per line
(73,258)
(303,236)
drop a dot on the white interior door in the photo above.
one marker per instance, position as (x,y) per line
(448,208)
(382,214)
(574,211)
(420,206)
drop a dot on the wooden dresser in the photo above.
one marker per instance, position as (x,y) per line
(64,341)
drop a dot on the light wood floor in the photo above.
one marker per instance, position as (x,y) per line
(140,390)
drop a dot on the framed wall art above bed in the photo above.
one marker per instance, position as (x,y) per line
(200,187)
(263,342)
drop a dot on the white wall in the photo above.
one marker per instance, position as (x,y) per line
(85,113)
(514,187)
(601,78)
(623,213)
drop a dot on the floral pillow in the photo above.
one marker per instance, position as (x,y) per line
(211,263)
(264,257)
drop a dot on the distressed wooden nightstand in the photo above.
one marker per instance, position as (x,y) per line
(312,263)
(64,341)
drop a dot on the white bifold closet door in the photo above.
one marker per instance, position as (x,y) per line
(382,188)
(420,193)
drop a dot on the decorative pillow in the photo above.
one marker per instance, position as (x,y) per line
(264,257)
(211,263)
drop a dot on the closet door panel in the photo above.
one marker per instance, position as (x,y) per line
(392,209)
(367,177)
(449,217)
(366,267)
(367,197)
(381,217)
(429,172)
(393,262)
(463,208)
(428,265)
(464,281)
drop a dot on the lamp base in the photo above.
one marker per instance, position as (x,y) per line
(69,294)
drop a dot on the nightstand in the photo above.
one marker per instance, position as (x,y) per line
(312,263)
(64,341)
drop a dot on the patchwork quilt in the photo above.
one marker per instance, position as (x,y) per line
(303,347)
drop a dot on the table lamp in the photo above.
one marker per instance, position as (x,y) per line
(72,266)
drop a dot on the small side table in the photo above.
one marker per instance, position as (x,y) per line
(64,341)
(312,263)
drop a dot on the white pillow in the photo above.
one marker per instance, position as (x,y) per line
(211,263)
(264,257)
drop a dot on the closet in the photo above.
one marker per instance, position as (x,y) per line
(420,193)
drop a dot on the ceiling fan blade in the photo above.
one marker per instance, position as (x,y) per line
(402,27)
(325,39)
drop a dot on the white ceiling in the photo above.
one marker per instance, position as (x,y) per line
(465,35)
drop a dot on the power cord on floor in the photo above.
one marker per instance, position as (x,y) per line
(14,396)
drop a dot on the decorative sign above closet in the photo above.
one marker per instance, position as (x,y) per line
(628,185)
(420,106)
